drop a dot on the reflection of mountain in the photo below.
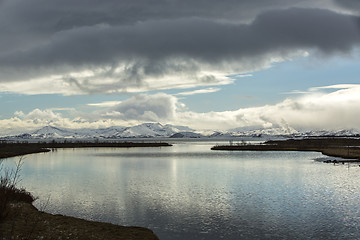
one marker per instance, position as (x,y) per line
(154,130)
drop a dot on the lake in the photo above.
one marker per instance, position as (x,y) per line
(190,192)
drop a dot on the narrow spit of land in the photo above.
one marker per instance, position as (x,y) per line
(346,148)
(13,149)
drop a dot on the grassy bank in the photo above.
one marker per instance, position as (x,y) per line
(24,221)
(13,149)
(19,219)
(336,147)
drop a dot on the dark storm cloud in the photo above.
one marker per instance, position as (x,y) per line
(133,40)
(352,5)
(64,14)
(28,22)
(307,28)
(195,38)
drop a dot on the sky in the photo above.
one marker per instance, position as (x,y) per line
(208,65)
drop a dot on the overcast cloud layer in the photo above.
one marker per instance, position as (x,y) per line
(109,46)
(99,47)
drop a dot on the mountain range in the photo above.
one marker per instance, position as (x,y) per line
(157,130)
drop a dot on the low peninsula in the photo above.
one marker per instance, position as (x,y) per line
(13,149)
(346,148)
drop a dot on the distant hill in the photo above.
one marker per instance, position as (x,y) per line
(158,130)
(187,135)
(145,130)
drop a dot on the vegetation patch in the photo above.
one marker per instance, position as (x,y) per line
(24,221)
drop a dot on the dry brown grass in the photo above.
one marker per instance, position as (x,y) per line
(26,222)
(9,178)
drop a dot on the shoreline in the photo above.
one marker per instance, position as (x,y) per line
(10,149)
(348,149)
(27,222)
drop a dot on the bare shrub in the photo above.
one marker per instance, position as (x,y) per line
(9,192)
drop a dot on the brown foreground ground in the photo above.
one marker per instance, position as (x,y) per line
(24,221)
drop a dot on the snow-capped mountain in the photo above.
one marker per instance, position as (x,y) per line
(282,132)
(336,133)
(145,130)
(278,131)
(51,132)
(157,130)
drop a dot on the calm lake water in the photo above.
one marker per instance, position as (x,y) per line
(190,192)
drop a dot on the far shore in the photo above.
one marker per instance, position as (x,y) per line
(346,148)
(13,149)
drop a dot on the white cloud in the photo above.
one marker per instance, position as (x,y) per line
(313,110)
(157,107)
(105,104)
(100,81)
(199,91)
(39,115)
(43,85)
(338,109)
(336,86)
(62,109)
(25,122)
(297,92)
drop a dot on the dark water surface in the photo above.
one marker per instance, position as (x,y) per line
(190,192)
